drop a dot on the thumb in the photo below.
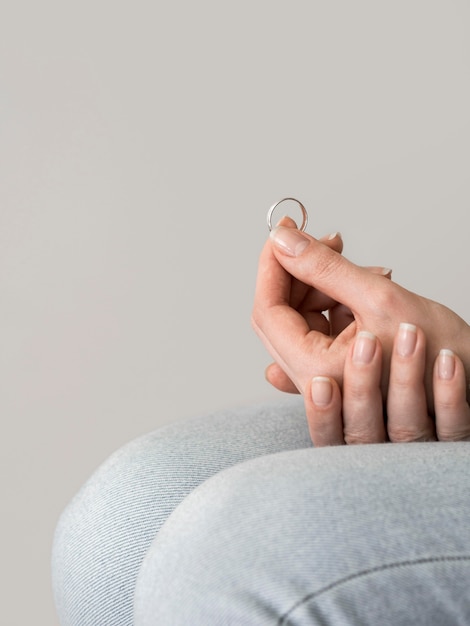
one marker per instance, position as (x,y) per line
(315,264)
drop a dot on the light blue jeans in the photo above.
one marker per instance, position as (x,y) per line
(234,519)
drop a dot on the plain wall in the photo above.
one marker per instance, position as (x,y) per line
(141,145)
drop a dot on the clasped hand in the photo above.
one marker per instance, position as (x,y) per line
(373,361)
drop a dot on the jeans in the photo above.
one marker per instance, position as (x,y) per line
(235,519)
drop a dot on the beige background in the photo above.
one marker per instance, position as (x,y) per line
(141,144)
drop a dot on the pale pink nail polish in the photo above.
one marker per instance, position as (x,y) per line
(364,347)
(406,339)
(446,364)
(322,391)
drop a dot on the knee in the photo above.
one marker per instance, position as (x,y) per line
(227,553)
(302,537)
(102,536)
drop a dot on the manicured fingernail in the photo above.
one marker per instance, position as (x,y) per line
(446,364)
(364,347)
(386,271)
(406,339)
(287,222)
(322,391)
(334,235)
(289,240)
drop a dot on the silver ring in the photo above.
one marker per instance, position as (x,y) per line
(302,208)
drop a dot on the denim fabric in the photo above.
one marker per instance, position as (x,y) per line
(361,535)
(103,534)
(242,522)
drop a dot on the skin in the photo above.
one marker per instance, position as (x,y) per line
(299,278)
(356,415)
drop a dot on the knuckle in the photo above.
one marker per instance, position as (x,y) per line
(357,439)
(410,435)
(449,404)
(327,264)
(359,436)
(461,434)
(385,298)
(403,385)
(359,392)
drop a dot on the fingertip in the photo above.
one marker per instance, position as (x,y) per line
(445,364)
(379,270)
(323,408)
(287,222)
(276,377)
(336,235)
(333,241)
(452,412)
(321,391)
(406,339)
(289,241)
(364,349)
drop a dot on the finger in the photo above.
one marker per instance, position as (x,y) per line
(450,403)
(279,379)
(341,316)
(284,331)
(281,287)
(379,270)
(287,222)
(334,241)
(407,413)
(299,354)
(304,297)
(323,410)
(314,299)
(363,419)
(313,263)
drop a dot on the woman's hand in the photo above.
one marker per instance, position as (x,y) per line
(356,416)
(300,277)
(310,302)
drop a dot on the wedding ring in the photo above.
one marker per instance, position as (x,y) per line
(302,208)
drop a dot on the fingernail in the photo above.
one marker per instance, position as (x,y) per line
(446,364)
(289,240)
(386,271)
(364,347)
(322,391)
(334,235)
(406,339)
(287,222)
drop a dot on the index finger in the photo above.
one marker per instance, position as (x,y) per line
(317,265)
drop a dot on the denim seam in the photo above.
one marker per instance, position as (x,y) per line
(380,568)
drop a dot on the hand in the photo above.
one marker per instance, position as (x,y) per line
(309,300)
(357,417)
(296,333)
